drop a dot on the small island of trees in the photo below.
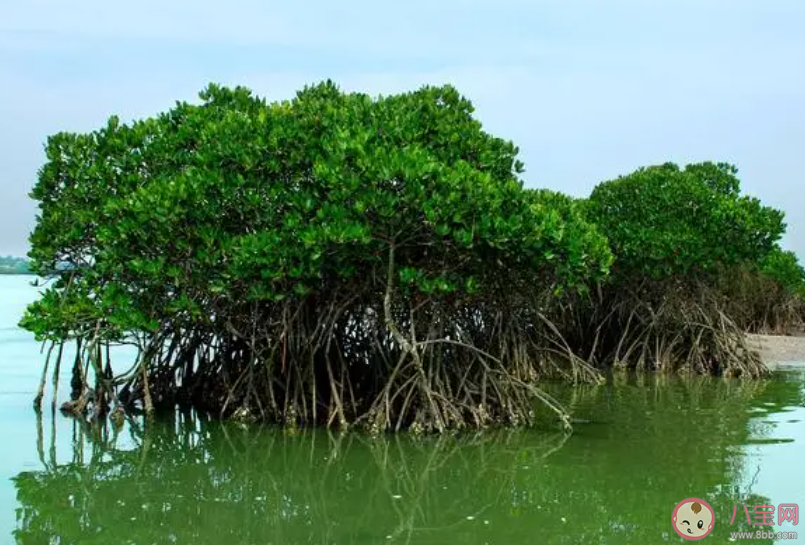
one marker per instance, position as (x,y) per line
(379,264)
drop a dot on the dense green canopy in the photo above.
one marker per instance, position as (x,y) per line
(664,221)
(237,200)
(783,267)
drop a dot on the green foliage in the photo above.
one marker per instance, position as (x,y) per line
(783,267)
(663,221)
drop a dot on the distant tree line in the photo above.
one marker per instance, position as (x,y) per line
(351,261)
(14,265)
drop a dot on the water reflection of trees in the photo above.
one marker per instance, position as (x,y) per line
(206,482)
(194,481)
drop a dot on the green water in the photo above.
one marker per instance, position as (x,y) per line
(651,443)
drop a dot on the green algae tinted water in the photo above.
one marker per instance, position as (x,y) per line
(650,442)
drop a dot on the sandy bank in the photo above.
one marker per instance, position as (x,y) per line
(779,349)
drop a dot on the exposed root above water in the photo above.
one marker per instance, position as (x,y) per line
(664,326)
(381,368)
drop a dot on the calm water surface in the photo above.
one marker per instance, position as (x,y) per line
(651,442)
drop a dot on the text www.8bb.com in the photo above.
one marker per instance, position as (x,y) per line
(762,534)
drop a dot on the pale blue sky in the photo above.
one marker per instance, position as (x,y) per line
(588,90)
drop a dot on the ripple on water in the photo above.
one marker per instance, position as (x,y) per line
(768,440)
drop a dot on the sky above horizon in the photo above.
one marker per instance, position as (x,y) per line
(588,90)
